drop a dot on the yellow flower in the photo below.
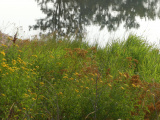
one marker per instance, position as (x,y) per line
(13,62)
(3,94)
(24,108)
(3,75)
(3,53)
(23,68)
(138,86)
(34,73)
(26,95)
(148,90)
(9,38)
(60,93)
(42,97)
(87,87)
(76,73)
(19,60)
(34,56)
(109,85)
(3,59)
(76,90)
(126,85)
(86,76)
(4,45)
(11,69)
(26,72)
(24,63)
(71,78)
(134,85)
(65,77)
(4,64)
(28,77)
(33,99)
(95,74)
(153,94)
(120,73)
(42,83)
(29,91)
(16,45)
(110,76)
(37,66)
(92,74)
(122,88)
(125,75)
(51,56)
(15,68)
(92,79)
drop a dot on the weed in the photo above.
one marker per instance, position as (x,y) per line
(63,79)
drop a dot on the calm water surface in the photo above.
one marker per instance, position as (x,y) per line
(115,19)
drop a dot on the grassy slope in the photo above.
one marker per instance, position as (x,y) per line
(71,80)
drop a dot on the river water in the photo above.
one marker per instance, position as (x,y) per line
(23,13)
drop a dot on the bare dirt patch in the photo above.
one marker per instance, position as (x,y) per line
(5,39)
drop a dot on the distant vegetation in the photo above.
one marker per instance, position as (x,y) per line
(60,79)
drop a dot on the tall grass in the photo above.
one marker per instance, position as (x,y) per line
(60,79)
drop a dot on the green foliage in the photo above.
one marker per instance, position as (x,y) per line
(60,79)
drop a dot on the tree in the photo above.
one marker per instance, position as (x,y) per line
(70,16)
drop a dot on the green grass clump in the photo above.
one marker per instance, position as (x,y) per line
(70,80)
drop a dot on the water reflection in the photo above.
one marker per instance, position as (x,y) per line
(71,16)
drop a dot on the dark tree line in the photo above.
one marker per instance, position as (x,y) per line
(70,16)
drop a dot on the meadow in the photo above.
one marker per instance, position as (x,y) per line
(70,80)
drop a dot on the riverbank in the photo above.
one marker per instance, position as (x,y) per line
(60,79)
